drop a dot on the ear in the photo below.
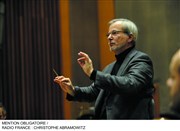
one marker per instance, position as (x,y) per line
(131,37)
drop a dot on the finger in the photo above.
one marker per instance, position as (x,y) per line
(55,80)
(83,54)
(87,58)
(81,63)
(59,77)
(62,85)
(82,59)
(62,79)
(65,80)
(67,88)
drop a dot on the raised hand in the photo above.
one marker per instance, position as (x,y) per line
(86,63)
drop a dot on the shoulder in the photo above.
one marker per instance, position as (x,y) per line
(109,66)
(139,56)
(137,53)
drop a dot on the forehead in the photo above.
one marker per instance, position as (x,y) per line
(175,63)
(115,26)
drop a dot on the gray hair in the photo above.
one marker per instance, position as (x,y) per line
(129,27)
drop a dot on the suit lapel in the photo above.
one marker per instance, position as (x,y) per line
(100,99)
(102,92)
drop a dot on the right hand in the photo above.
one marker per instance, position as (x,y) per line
(86,63)
(65,84)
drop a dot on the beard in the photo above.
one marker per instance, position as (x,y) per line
(117,48)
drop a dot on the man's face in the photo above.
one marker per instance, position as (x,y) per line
(1,113)
(174,81)
(117,39)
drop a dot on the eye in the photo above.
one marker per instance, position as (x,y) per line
(114,32)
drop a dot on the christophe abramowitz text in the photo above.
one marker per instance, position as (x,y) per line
(28,125)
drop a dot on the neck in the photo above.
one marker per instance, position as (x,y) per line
(123,49)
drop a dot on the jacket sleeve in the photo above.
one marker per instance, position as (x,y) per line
(84,94)
(137,76)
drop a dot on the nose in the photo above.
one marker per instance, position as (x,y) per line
(169,82)
(109,37)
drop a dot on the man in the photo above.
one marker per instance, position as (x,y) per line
(174,83)
(2,112)
(123,90)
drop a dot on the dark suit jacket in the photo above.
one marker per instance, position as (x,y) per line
(130,90)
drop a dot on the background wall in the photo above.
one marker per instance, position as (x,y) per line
(84,37)
(1,41)
(159,29)
(45,34)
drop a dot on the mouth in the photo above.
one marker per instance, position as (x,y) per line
(111,44)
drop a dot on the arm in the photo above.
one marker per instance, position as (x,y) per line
(84,94)
(137,77)
(76,93)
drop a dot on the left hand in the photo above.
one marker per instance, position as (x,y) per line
(65,84)
(86,63)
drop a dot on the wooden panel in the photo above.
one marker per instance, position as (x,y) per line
(31,50)
(105,14)
(65,50)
